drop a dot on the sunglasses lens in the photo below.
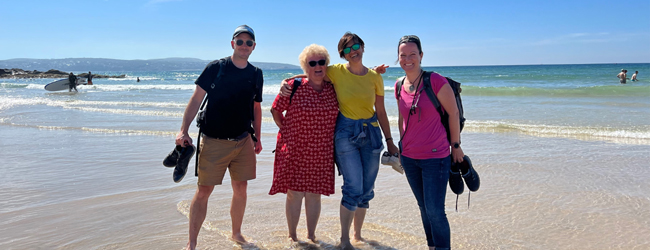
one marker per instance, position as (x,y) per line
(321,62)
(249,43)
(239,42)
(312,63)
(356,46)
(346,51)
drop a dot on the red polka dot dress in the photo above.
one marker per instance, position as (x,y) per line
(304,153)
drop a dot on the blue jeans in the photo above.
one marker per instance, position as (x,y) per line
(357,155)
(428,180)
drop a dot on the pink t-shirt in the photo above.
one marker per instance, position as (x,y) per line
(425,138)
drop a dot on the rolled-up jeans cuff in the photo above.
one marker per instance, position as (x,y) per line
(348,206)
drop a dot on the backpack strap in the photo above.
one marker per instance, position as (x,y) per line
(400,83)
(426,81)
(296,84)
(222,64)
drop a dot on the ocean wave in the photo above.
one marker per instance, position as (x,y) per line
(96,130)
(162,113)
(9,85)
(11,101)
(612,91)
(618,135)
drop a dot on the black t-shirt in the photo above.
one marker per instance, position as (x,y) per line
(229,111)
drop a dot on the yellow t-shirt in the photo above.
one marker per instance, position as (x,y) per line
(356,94)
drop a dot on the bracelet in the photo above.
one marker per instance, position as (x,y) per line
(389,139)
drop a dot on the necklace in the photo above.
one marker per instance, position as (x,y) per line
(417,80)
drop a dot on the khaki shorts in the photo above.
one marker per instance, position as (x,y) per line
(217,155)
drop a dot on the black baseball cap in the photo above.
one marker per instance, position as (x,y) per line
(244,29)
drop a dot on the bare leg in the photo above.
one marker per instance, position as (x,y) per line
(312,209)
(346,221)
(359,216)
(293,206)
(198,210)
(237,209)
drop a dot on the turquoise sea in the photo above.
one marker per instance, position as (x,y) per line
(562,150)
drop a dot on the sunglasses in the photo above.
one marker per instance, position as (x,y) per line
(347,50)
(320,62)
(240,42)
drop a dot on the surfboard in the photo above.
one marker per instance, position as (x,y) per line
(62,84)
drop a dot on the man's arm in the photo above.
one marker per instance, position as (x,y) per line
(183,138)
(257,126)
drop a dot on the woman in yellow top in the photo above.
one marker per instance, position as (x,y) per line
(357,139)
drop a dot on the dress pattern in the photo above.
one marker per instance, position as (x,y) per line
(304,153)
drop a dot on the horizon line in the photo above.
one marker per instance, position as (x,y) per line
(529,64)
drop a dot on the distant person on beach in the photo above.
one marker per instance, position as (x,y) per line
(72,81)
(228,142)
(622,76)
(425,152)
(357,139)
(90,78)
(138,80)
(304,153)
(634,76)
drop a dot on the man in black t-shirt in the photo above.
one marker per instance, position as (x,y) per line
(234,95)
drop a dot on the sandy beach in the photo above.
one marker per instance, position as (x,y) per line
(529,202)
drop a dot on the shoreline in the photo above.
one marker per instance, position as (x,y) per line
(16,73)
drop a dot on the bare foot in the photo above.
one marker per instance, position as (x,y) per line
(239,239)
(293,238)
(346,245)
(359,239)
(190,246)
(312,239)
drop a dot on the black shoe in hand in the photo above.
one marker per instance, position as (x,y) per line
(172,158)
(185,154)
(469,174)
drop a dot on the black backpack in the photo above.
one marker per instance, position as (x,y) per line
(444,116)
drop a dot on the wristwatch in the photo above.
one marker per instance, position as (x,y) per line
(456,144)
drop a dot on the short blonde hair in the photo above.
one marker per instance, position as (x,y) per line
(313,49)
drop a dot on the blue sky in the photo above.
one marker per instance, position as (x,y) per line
(452,32)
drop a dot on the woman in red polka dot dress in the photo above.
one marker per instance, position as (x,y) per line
(304,153)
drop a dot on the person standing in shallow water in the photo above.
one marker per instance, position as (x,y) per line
(226,145)
(357,138)
(304,153)
(425,154)
(622,77)
(72,81)
(634,76)
(90,78)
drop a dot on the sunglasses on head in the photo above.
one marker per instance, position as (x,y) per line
(240,42)
(347,50)
(320,62)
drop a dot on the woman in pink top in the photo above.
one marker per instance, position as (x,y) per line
(425,151)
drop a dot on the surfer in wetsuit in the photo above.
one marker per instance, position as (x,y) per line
(72,82)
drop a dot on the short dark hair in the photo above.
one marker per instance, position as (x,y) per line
(347,37)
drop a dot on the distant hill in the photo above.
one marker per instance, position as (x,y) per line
(103,64)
